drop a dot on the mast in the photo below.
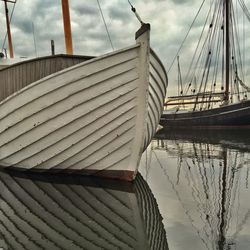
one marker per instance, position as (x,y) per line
(227,44)
(8,27)
(67,27)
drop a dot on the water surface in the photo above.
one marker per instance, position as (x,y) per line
(201,183)
(192,193)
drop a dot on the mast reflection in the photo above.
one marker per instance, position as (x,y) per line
(211,172)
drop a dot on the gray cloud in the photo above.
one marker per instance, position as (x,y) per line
(85,9)
(170,20)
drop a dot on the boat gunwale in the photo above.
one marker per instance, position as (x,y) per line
(36,59)
(211,111)
(213,115)
(58,73)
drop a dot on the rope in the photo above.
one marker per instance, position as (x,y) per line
(245,9)
(136,14)
(185,37)
(106,27)
(5,37)
(199,58)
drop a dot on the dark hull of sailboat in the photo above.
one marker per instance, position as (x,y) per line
(234,115)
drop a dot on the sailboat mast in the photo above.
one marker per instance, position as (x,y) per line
(67,27)
(8,28)
(227,44)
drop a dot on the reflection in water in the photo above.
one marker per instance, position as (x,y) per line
(208,173)
(69,212)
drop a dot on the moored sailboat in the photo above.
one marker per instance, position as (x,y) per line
(77,114)
(219,99)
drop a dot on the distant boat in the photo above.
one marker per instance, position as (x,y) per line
(77,114)
(197,102)
(42,211)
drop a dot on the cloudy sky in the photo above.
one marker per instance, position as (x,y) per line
(169,19)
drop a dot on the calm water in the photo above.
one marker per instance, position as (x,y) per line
(192,193)
(201,184)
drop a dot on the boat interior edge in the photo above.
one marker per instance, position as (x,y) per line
(19,75)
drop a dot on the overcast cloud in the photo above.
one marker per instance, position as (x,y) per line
(169,19)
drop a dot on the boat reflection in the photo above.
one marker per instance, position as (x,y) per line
(208,171)
(73,212)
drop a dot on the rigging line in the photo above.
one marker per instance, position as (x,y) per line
(185,36)
(202,79)
(217,41)
(240,61)
(106,27)
(245,9)
(212,32)
(201,55)
(197,46)
(218,54)
(11,15)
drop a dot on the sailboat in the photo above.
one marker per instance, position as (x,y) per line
(209,98)
(80,114)
(44,211)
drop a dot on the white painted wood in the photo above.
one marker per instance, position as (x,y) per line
(97,115)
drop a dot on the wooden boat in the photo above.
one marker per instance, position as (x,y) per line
(95,117)
(219,100)
(43,211)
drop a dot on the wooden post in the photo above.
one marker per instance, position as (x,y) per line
(52,43)
(67,27)
(8,29)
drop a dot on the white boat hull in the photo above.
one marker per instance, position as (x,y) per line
(96,117)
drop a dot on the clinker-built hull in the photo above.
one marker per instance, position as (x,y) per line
(95,117)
